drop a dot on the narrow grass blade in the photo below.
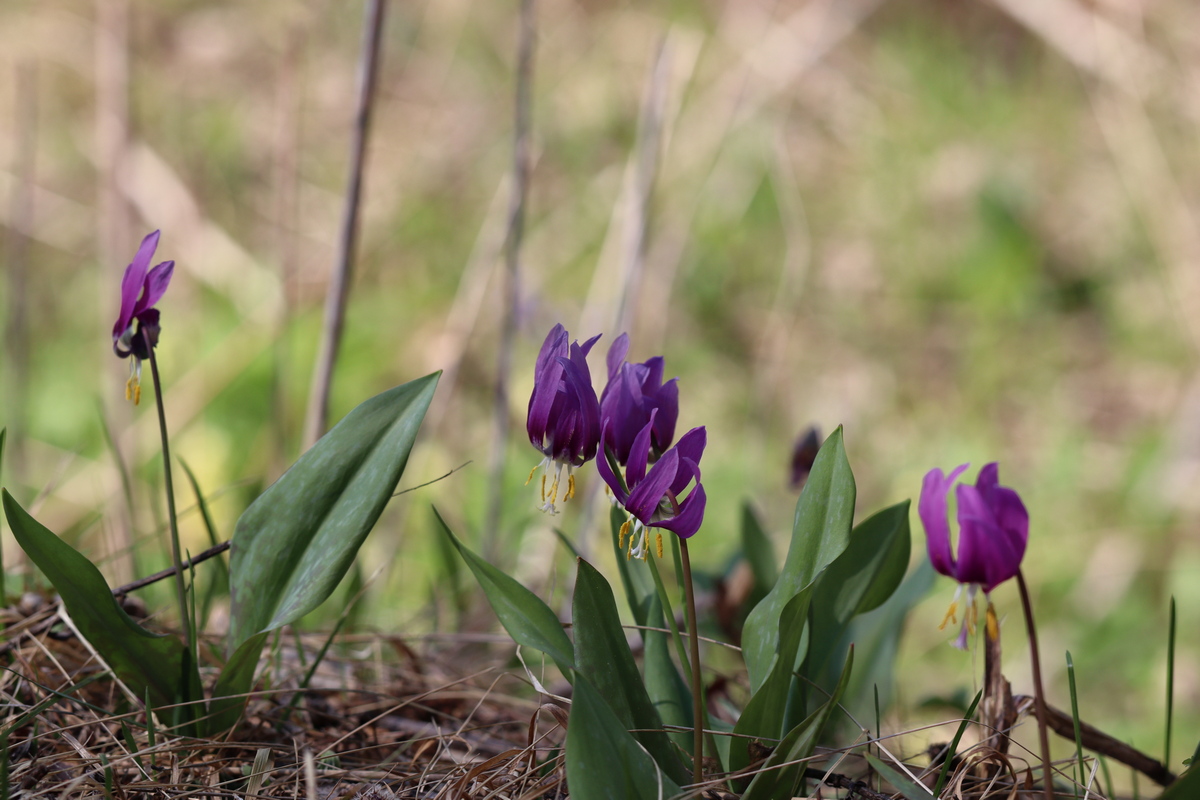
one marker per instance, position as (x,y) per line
(1170,684)
(953,749)
(219,585)
(1075,719)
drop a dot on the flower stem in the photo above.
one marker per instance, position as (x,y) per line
(1038,693)
(180,591)
(697,683)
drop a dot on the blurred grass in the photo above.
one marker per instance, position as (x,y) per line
(934,229)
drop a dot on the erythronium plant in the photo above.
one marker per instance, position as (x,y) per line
(135,335)
(651,498)
(993,532)
(564,415)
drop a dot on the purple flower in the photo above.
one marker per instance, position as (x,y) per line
(804,453)
(993,530)
(652,498)
(564,415)
(141,288)
(632,393)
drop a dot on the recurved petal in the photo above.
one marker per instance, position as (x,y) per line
(986,554)
(934,517)
(616,354)
(690,448)
(131,282)
(639,455)
(690,516)
(645,495)
(666,400)
(155,286)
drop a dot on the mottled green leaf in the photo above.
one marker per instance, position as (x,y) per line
(144,661)
(604,761)
(528,620)
(294,543)
(603,657)
(820,533)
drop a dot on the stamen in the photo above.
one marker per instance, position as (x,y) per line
(624,533)
(527,480)
(543,488)
(951,616)
(129,388)
(554,490)
(993,624)
(658,541)
(137,394)
(570,487)
(972,618)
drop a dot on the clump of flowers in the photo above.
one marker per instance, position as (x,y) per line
(564,415)
(136,330)
(993,531)
(652,497)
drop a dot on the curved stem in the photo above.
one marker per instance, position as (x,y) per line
(177,558)
(697,683)
(1039,694)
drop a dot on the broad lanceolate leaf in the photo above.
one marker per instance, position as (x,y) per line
(528,620)
(767,711)
(294,543)
(859,580)
(779,782)
(237,679)
(759,552)
(603,657)
(1186,787)
(820,533)
(144,661)
(604,761)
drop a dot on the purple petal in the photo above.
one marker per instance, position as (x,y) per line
(555,345)
(131,282)
(582,429)
(605,469)
(616,356)
(690,448)
(666,400)
(639,455)
(934,516)
(645,496)
(155,286)
(986,554)
(690,516)
(652,375)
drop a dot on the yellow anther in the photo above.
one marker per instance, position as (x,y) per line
(543,488)
(624,533)
(137,394)
(527,480)
(129,388)
(629,552)
(554,491)
(972,618)
(951,616)
(993,624)
(658,541)
(570,488)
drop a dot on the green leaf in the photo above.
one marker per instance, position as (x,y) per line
(910,789)
(779,782)
(528,620)
(144,661)
(604,761)
(294,543)
(859,580)
(236,681)
(820,533)
(759,552)
(603,657)
(766,713)
(3,588)
(1187,787)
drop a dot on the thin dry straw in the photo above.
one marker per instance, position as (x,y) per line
(339,283)
(512,261)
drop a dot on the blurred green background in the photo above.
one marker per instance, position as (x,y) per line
(967,231)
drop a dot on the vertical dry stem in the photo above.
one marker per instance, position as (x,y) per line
(512,261)
(339,282)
